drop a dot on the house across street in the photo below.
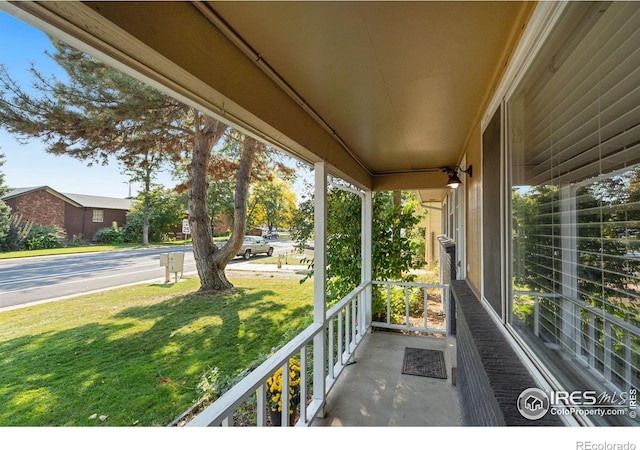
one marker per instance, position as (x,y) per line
(78,214)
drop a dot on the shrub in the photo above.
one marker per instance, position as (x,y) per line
(398,307)
(76,241)
(132,230)
(5,215)
(18,231)
(44,236)
(109,235)
(379,304)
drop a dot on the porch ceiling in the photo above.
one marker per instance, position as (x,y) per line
(397,86)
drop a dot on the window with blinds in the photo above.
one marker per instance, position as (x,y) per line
(574,159)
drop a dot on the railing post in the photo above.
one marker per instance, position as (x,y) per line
(361,312)
(591,352)
(303,385)
(426,305)
(446,300)
(331,350)
(261,405)
(628,368)
(570,327)
(340,337)
(347,334)
(406,305)
(388,303)
(284,394)
(608,347)
(354,319)
(536,316)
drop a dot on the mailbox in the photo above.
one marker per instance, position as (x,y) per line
(164,259)
(172,263)
(176,262)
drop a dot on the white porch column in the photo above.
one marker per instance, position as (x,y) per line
(320,282)
(366,273)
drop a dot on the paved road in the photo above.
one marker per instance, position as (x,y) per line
(27,280)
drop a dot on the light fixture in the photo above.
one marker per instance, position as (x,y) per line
(452,172)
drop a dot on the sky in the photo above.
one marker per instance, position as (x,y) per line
(30,165)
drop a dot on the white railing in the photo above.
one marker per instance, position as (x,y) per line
(345,326)
(429,298)
(344,329)
(604,343)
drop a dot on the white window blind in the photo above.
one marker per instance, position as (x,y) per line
(574,146)
(582,116)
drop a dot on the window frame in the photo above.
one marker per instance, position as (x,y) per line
(97,215)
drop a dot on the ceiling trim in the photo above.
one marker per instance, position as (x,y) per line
(264,65)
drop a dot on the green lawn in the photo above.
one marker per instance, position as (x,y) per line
(137,354)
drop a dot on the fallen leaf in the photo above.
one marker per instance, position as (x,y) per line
(93,416)
(103,418)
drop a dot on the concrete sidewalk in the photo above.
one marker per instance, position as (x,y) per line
(249,266)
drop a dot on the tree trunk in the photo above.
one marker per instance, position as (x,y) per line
(213,278)
(146,211)
(199,222)
(211,261)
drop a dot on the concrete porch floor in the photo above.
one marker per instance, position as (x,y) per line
(375,392)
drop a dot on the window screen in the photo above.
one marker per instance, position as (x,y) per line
(491,247)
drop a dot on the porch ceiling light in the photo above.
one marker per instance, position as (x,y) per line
(452,172)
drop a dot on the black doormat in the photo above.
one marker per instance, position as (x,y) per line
(424,363)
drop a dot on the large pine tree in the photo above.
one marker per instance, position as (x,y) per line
(98,113)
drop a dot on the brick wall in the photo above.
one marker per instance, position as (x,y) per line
(221,225)
(41,207)
(80,221)
(490,376)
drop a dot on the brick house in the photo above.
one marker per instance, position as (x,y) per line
(77,214)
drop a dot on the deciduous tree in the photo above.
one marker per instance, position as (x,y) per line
(272,203)
(166,211)
(393,253)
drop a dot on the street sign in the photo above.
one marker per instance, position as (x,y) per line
(185,226)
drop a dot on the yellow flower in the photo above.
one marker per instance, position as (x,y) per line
(274,386)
